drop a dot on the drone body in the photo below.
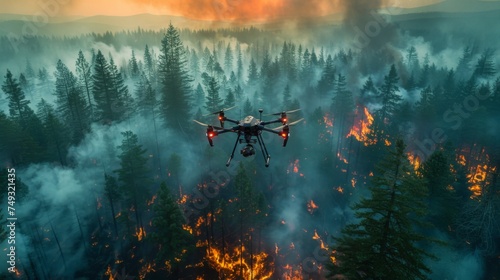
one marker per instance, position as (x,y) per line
(249,131)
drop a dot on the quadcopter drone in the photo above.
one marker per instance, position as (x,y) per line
(249,131)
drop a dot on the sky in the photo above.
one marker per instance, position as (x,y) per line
(195,9)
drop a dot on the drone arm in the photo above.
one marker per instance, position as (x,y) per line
(231,121)
(271,130)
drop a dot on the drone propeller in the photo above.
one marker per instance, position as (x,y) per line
(284,112)
(222,110)
(207,125)
(290,124)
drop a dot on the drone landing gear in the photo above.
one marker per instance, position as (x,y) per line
(232,154)
(248,150)
(263,148)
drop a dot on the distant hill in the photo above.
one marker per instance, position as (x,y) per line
(466,14)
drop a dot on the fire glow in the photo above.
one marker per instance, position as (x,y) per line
(362,127)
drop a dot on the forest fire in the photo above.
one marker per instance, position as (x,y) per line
(311,206)
(140,233)
(414,161)
(362,127)
(235,264)
(145,270)
(478,179)
(109,273)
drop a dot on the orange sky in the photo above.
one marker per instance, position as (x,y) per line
(197,9)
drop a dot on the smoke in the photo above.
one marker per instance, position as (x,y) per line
(246,11)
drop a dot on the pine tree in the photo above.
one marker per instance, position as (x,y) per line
(485,66)
(253,73)
(124,105)
(239,64)
(228,59)
(18,105)
(57,133)
(84,72)
(103,90)
(112,192)
(327,80)
(229,101)
(173,240)
(287,98)
(133,173)
(174,79)
(70,102)
(384,243)
(247,108)
(214,101)
(149,64)
(133,66)
(388,94)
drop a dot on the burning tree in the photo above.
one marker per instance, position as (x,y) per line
(173,240)
(383,244)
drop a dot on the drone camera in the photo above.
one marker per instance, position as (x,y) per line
(247,151)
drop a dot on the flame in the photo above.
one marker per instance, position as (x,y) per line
(276,248)
(327,121)
(353,182)
(140,233)
(316,235)
(387,142)
(311,206)
(478,179)
(152,200)
(145,270)
(362,128)
(340,189)
(292,273)
(296,166)
(231,264)
(342,158)
(414,161)
(461,160)
(109,273)
(187,228)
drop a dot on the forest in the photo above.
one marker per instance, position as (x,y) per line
(393,174)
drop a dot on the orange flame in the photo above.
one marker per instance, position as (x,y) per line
(109,273)
(311,206)
(145,270)
(152,200)
(362,128)
(231,264)
(414,161)
(478,179)
(140,233)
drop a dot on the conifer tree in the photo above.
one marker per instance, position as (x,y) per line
(384,244)
(102,90)
(174,79)
(18,105)
(173,240)
(214,101)
(57,133)
(133,173)
(84,72)
(70,102)
(388,94)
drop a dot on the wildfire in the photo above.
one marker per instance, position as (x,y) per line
(362,128)
(296,166)
(150,202)
(232,264)
(414,161)
(342,158)
(109,273)
(187,228)
(478,179)
(328,122)
(140,233)
(353,182)
(292,273)
(311,206)
(461,160)
(340,189)
(145,270)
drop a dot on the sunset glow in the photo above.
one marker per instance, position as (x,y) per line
(228,10)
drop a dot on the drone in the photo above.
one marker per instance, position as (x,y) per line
(249,131)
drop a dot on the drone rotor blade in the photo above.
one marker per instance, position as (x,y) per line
(222,110)
(290,124)
(286,112)
(207,125)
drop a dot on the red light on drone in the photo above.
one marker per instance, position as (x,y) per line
(220,118)
(284,135)
(284,120)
